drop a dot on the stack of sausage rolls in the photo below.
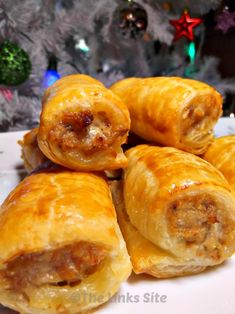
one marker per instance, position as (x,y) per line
(174,204)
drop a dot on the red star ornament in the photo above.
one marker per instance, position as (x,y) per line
(184,26)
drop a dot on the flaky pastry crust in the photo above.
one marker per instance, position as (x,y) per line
(221,154)
(61,247)
(30,152)
(178,207)
(83,125)
(171,111)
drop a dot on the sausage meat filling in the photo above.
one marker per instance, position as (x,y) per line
(88,131)
(64,266)
(197,220)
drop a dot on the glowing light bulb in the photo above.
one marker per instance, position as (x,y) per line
(191,51)
(82,45)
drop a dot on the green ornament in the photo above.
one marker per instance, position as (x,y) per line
(15,65)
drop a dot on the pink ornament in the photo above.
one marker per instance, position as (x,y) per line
(225,20)
(7,93)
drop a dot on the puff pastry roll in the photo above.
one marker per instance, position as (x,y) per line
(171,111)
(221,154)
(61,249)
(83,125)
(146,257)
(181,212)
(30,152)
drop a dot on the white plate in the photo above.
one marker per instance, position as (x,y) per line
(211,292)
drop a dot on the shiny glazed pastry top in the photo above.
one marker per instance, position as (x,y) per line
(180,203)
(30,152)
(60,242)
(221,154)
(83,125)
(171,111)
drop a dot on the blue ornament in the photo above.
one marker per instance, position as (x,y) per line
(51,75)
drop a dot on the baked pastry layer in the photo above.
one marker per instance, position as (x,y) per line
(30,152)
(83,125)
(171,111)
(178,207)
(61,247)
(147,257)
(221,154)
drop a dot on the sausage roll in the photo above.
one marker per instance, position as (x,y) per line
(180,212)
(146,257)
(221,154)
(30,152)
(61,249)
(171,111)
(83,125)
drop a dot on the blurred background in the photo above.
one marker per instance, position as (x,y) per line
(43,40)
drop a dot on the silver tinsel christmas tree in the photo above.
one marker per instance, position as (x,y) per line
(102,38)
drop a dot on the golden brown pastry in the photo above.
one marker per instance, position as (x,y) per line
(31,153)
(146,257)
(221,154)
(180,212)
(83,125)
(61,250)
(171,111)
